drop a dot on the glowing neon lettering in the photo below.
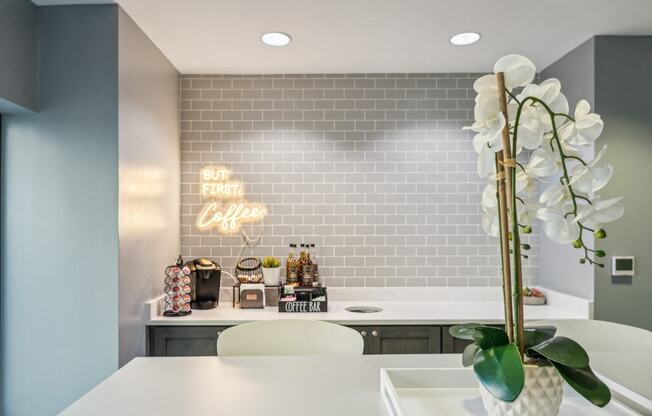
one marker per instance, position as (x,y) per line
(216,186)
(226,189)
(229,220)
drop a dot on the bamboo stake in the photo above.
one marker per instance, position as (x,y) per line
(510,172)
(504,246)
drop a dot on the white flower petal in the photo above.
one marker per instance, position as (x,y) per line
(489,200)
(562,231)
(519,71)
(486,163)
(485,82)
(582,108)
(542,164)
(553,195)
(600,212)
(490,224)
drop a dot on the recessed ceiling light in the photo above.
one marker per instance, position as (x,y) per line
(276,39)
(466,38)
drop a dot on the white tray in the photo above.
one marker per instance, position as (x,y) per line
(454,391)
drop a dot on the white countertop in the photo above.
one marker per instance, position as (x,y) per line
(400,307)
(255,386)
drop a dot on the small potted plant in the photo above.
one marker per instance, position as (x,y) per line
(525,136)
(271,271)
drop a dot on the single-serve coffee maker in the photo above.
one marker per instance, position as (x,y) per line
(205,276)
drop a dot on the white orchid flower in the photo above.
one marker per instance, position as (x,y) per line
(556,226)
(542,163)
(555,194)
(600,212)
(486,159)
(527,210)
(593,176)
(586,128)
(519,71)
(491,224)
(489,202)
(524,183)
(535,120)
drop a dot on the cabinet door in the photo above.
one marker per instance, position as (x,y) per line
(365,331)
(450,344)
(173,341)
(405,340)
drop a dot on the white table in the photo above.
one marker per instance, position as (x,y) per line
(249,386)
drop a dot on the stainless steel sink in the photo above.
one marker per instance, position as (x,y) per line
(363,309)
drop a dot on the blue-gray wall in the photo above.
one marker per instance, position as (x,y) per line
(149,178)
(559,268)
(623,65)
(18,87)
(59,298)
(613,72)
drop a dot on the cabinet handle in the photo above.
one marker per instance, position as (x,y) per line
(374,333)
(363,333)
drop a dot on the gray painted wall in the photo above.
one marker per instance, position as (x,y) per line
(149,178)
(59,297)
(559,268)
(18,87)
(622,95)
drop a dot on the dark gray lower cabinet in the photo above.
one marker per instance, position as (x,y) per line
(169,341)
(173,341)
(402,339)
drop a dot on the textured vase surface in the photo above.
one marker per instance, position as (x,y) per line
(541,395)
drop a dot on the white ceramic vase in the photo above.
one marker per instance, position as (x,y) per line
(272,276)
(541,395)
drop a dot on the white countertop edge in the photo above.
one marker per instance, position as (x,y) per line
(559,306)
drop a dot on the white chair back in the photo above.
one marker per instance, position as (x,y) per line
(602,336)
(289,337)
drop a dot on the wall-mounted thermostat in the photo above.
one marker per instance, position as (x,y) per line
(622,266)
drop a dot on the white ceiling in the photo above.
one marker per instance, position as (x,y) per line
(338,36)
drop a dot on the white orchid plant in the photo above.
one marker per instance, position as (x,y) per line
(546,140)
(528,142)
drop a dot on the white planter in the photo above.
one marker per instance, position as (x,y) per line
(272,276)
(541,395)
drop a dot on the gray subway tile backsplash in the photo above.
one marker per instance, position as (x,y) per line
(372,168)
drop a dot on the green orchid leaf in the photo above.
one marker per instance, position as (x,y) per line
(586,383)
(564,351)
(536,335)
(463,331)
(489,336)
(469,354)
(500,371)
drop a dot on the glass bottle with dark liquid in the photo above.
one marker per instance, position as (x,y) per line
(292,268)
(306,268)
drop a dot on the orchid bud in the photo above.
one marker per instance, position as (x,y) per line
(509,236)
(600,253)
(577,243)
(527,229)
(600,234)
(525,246)
(582,261)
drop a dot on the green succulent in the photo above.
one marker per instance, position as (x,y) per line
(497,362)
(270,262)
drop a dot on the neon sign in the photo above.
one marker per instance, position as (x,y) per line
(217,187)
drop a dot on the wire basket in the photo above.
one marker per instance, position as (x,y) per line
(249,270)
